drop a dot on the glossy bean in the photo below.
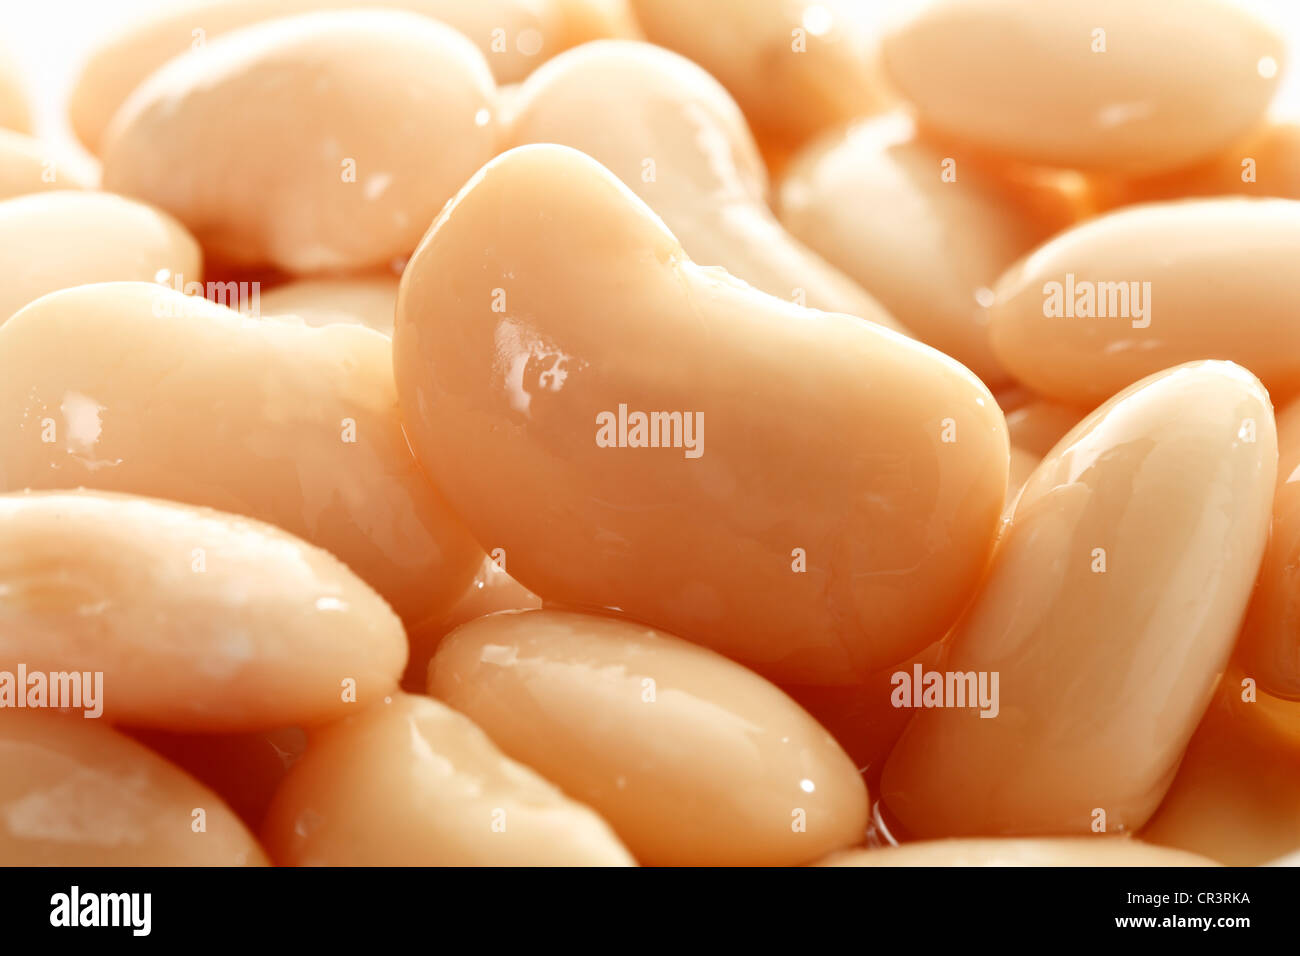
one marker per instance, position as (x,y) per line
(819,528)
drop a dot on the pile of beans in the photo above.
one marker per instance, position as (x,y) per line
(659,432)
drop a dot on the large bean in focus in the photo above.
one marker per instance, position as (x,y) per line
(827,513)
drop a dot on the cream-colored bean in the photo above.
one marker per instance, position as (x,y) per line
(133,387)
(1135,543)
(513,35)
(795,68)
(1236,798)
(691,758)
(926,230)
(1064,851)
(1097,85)
(29,166)
(14,111)
(671,133)
(75,793)
(835,499)
(1145,288)
(344,300)
(54,240)
(325,142)
(197,620)
(410,782)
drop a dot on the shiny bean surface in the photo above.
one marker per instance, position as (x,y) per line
(55,240)
(922,228)
(410,782)
(513,35)
(671,133)
(795,67)
(136,388)
(761,533)
(1147,287)
(73,792)
(1134,543)
(317,143)
(196,619)
(1097,85)
(491,590)
(691,758)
